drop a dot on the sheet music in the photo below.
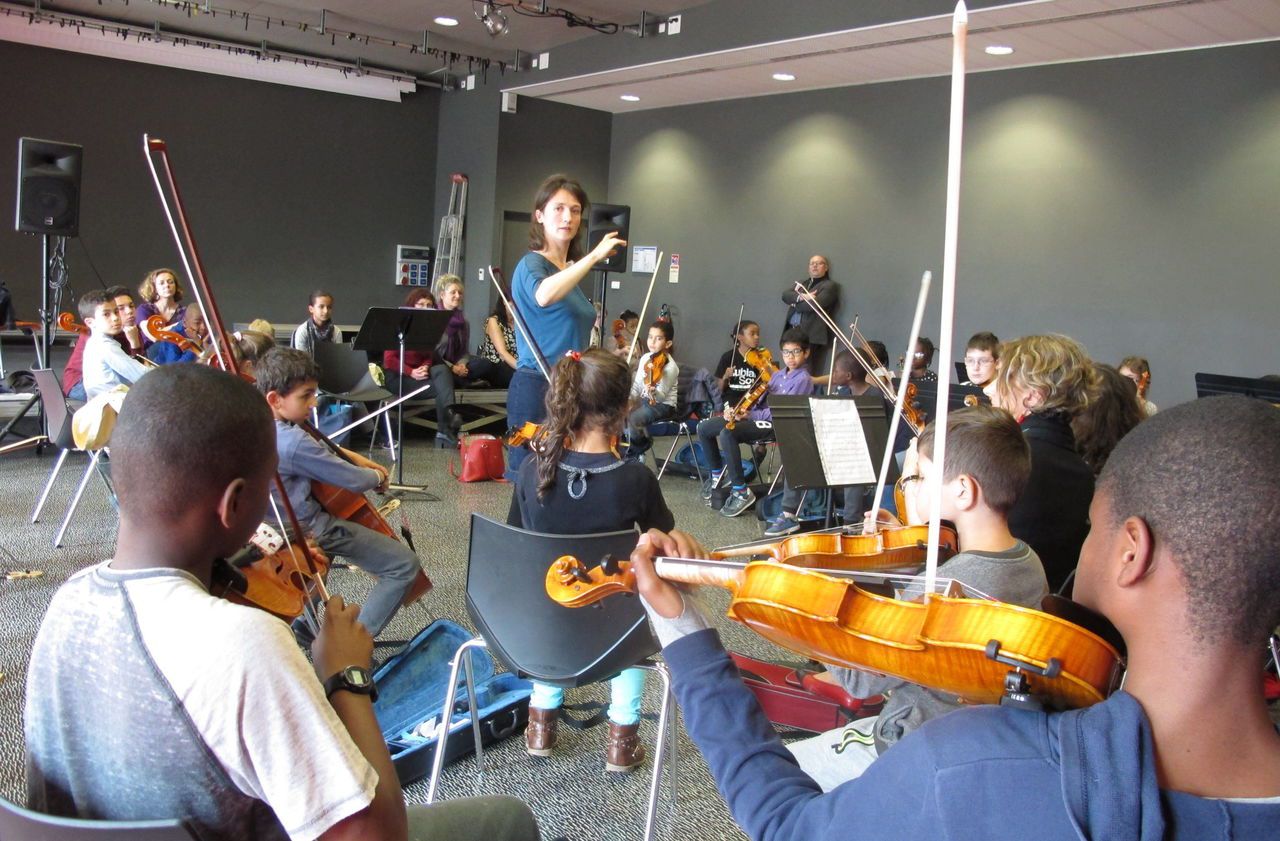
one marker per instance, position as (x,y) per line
(842,444)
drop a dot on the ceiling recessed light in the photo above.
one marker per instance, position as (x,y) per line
(447,21)
(999,49)
(785,77)
(629,97)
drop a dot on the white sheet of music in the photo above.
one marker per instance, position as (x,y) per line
(842,445)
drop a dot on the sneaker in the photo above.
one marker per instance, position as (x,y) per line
(740,499)
(709,484)
(784,525)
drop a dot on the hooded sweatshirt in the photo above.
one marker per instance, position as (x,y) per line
(978,774)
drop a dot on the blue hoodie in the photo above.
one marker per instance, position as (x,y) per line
(983,773)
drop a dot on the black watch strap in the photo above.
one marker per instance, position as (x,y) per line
(352,679)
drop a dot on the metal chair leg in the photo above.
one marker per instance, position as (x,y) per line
(48,486)
(75,500)
(461,663)
(662,468)
(660,753)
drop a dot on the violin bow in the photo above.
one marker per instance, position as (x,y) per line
(959,32)
(218,336)
(644,309)
(543,366)
(898,401)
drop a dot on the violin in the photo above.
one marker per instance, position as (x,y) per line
(762,360)
(66,322)
(657,364)
(888,548)
(620,334)
(965,646)
(156,328)
(911,410)
(522,434)
(270,576)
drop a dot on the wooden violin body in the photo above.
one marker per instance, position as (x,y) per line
(961,646)
(158,331)
(897,548)
(275,583)
(762,360)
(522,434)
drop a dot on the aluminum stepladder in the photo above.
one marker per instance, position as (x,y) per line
(449,243)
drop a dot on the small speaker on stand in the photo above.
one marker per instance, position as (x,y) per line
(48,187)
(608,219)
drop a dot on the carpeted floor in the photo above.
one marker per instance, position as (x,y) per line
(570,792)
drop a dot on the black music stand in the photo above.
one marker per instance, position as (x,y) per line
(1212,385)
(798,441)
(401,328)
(958,396)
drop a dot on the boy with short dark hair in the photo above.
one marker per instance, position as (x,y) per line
(981,356)
(319,326)
(193,329)
(289,379)
(148,698)
(988,463)
(134,338)
(1185,751)
(106,364)
(652,402)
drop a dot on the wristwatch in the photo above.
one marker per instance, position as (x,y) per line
(352,679)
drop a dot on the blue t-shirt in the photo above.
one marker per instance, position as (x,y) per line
(558,328)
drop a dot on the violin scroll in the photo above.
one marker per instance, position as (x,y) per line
(571,584)
(68,323)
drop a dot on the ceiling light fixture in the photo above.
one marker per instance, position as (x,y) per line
(495,22)
(447,21)
(629,97)
(785,77)
(999,49)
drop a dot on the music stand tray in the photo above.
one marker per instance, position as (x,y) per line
(1211,385)
(401,328)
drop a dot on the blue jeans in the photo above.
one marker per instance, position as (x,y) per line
(643,415)
(625,691)
(526,401)
(390,561)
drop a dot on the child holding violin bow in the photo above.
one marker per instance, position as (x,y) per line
(654,389)
(748,421)
(576,483)
(148,698)
(1185,751)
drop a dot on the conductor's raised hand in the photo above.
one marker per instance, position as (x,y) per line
(342,640)
(610,243)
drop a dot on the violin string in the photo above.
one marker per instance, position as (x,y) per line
(309,611)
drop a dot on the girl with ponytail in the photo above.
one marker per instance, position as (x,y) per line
(576,483)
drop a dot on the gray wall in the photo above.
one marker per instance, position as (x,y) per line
(1130,203)
(288,189)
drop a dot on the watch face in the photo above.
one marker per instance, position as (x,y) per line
(356,676)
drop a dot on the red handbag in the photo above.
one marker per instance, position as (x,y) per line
(483,459)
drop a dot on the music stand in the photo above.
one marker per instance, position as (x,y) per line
(401,328)
(958,396)
(793,426)
(1211,385)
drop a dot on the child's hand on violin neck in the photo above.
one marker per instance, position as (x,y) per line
(662,596)
(342,640)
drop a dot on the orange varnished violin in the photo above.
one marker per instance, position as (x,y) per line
(964,646)
(657,363)
(521,435)
(896,548)
(67,323)
(277,582)
(155,327)
(762,360)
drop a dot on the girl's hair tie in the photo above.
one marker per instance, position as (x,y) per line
(574,355)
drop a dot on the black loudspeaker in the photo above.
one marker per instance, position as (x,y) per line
(607,219)
(48,187)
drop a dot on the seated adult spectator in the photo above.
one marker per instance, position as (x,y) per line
(420,367)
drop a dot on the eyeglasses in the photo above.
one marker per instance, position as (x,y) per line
(919,354)
(792,352)
(978,362)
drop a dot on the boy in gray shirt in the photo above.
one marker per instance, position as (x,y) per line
(988,463)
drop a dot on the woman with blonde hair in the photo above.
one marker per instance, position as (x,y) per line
(1045,382)
(161,295)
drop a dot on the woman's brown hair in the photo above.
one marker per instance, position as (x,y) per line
(147,289)
(417,294)
(591,389)
(548,189)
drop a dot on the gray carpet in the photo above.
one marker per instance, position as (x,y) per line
(570,792)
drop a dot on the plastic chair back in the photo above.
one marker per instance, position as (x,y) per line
(55,408)
(19,824)
(344,373)
(532,635)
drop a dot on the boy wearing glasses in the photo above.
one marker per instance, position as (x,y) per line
(980,357)
(720,443)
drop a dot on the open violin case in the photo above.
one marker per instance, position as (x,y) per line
(411,687)
(794,697)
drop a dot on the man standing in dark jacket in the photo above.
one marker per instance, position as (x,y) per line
(800,314)
(1181,557)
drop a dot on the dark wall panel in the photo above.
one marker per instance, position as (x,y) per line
(288,189)
(1131,203)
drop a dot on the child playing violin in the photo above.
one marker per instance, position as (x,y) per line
(740,424)
(988,462)
(733,373)
(289,380)
(1185,751)
(577,484)
(192,332)
(134,653)
(106,364)
(653,391)
(1138,369)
